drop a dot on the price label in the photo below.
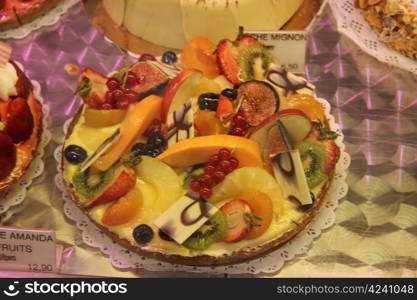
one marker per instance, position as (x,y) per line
(32,250)
(289,47)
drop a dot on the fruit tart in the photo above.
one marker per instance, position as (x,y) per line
(20,125)
(212,157)
(14,13)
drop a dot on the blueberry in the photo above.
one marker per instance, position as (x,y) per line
(156,140)
(230,93)
(169,57)
(75,154)
(154,152)
(143,234)
(208,101)
(140,147)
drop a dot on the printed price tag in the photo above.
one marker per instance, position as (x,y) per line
(289,47)
(32,250)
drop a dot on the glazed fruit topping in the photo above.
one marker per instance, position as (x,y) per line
(75,154)
(7,155)
(169,57)
(143,234)
(19,120)
(208,101)
(146,57)
(218,166)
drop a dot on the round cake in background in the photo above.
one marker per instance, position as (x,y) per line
(395,22)
(154,26)
(14,13)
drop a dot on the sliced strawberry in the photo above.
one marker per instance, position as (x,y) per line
(19,120)
(332,156)
(238,223)
(228,61)
(7,155)
(92,87)
(247,40)
(224,107)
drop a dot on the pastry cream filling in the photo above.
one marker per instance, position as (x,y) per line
(171,23)
(8,80)
(156,199)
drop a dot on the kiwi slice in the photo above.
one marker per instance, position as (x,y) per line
(313,157)
(88,185)
(212,231)
(254,62)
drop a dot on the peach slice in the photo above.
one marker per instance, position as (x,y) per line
(199,54)
(123,181)
(206,123)
(103,118)
(123,210)
(136,122)
(199,149)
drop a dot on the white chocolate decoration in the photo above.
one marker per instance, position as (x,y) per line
(185,217)
(289,172)
(8,80)
(180,124)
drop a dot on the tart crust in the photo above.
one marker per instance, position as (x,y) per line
(240,256)
(17,13)
(26,151)
(395,22)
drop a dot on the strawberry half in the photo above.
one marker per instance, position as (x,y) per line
(92,87)
(228,61)
(19,120)
(238,223)
(332,156)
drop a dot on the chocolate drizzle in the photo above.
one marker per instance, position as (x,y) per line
(204,209)
(287,81)
(180,122)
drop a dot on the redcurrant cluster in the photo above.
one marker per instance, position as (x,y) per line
(118,97)
(219,165)
(239,126)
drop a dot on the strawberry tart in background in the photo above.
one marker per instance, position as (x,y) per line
(21,122)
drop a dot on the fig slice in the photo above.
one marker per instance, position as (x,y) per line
(259,101)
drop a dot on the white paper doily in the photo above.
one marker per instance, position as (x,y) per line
(121,258)
(17,193)
(352,24)
(48,19)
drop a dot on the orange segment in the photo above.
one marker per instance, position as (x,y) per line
(136,122)
(199,54)
(123,210)
(206,123)
(198,150)
(262,207)
(307,104)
